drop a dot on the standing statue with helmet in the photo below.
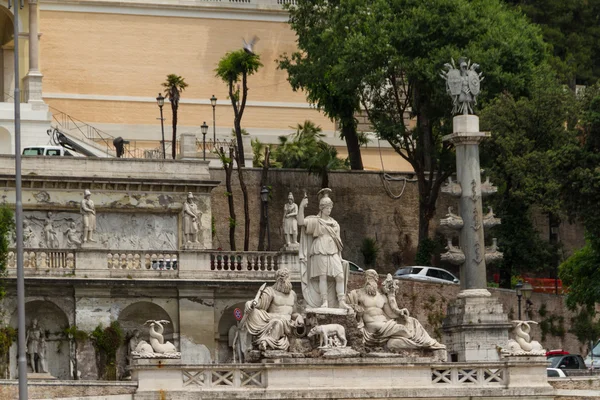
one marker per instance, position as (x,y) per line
(324,274)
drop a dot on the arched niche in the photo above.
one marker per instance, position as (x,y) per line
(52,320)
(133,317)
(227,321)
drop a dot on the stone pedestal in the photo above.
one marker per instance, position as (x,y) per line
(474,328)
(33,90)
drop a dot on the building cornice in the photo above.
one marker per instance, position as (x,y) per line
(257,10)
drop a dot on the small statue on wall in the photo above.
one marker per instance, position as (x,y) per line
(191,216)
(73,238)
(290,223)
(28,235)
(157,348)
(88,211)
(522,345)
(34,346)
(50,236)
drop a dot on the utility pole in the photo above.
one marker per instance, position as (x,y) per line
(21,357)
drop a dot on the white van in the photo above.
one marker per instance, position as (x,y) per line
(593,359)
(46,151)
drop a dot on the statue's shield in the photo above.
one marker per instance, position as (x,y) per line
(474,83)
(454,82)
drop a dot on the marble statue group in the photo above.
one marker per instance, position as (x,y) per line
(276,322)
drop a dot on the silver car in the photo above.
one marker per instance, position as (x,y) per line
(426,274)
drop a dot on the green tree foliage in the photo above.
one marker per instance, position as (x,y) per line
(580,176)
(369,250)
(107,341)
(7,228)
(390,52)
(316,68)
(581,274)
(526,133)
(305,149)
(174,85)
(572,29)
(233,67)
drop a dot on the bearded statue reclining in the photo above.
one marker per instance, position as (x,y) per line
(382,323)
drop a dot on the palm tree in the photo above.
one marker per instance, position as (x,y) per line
(174,85)
(233,67)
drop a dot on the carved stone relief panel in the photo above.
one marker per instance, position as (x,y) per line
(115,231)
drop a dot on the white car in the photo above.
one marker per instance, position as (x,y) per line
(555,373)
(426,274)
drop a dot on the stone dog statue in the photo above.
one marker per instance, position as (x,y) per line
(327,331)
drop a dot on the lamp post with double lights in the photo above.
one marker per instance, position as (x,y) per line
(204,129)
(160,100)
(213,103)
(264,197)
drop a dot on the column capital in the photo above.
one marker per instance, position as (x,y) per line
(32,2)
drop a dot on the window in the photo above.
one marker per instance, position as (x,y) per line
(446,276)
(415,270)
(552,373)
(53,153)
(434,273)
(33,151)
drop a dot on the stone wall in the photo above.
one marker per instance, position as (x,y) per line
(428,303)
(362,208)
(9,389)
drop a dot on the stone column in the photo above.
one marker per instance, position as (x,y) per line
(466,138)
(475,324)
(33,80)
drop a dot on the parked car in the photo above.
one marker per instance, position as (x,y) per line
(593,358)
(555,373)
(355,268)
(426,274)
(556,352)
(46,151)
(567,361)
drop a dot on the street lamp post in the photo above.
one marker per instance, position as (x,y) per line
(518,289)
(523,290)
(213,103)
(264,197)
(526,290)
(21,338)
(204,129)
(160,100)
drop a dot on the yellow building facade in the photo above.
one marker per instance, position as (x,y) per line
(103,63)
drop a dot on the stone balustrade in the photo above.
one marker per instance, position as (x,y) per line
(224,376)
(357,378)
(188,264)
(44,259)
(481,375)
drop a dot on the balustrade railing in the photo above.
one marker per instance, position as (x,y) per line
(44,259)
(137,263)
(221,378)
(212,145)
(143,261)
(476,376)
(244,261)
